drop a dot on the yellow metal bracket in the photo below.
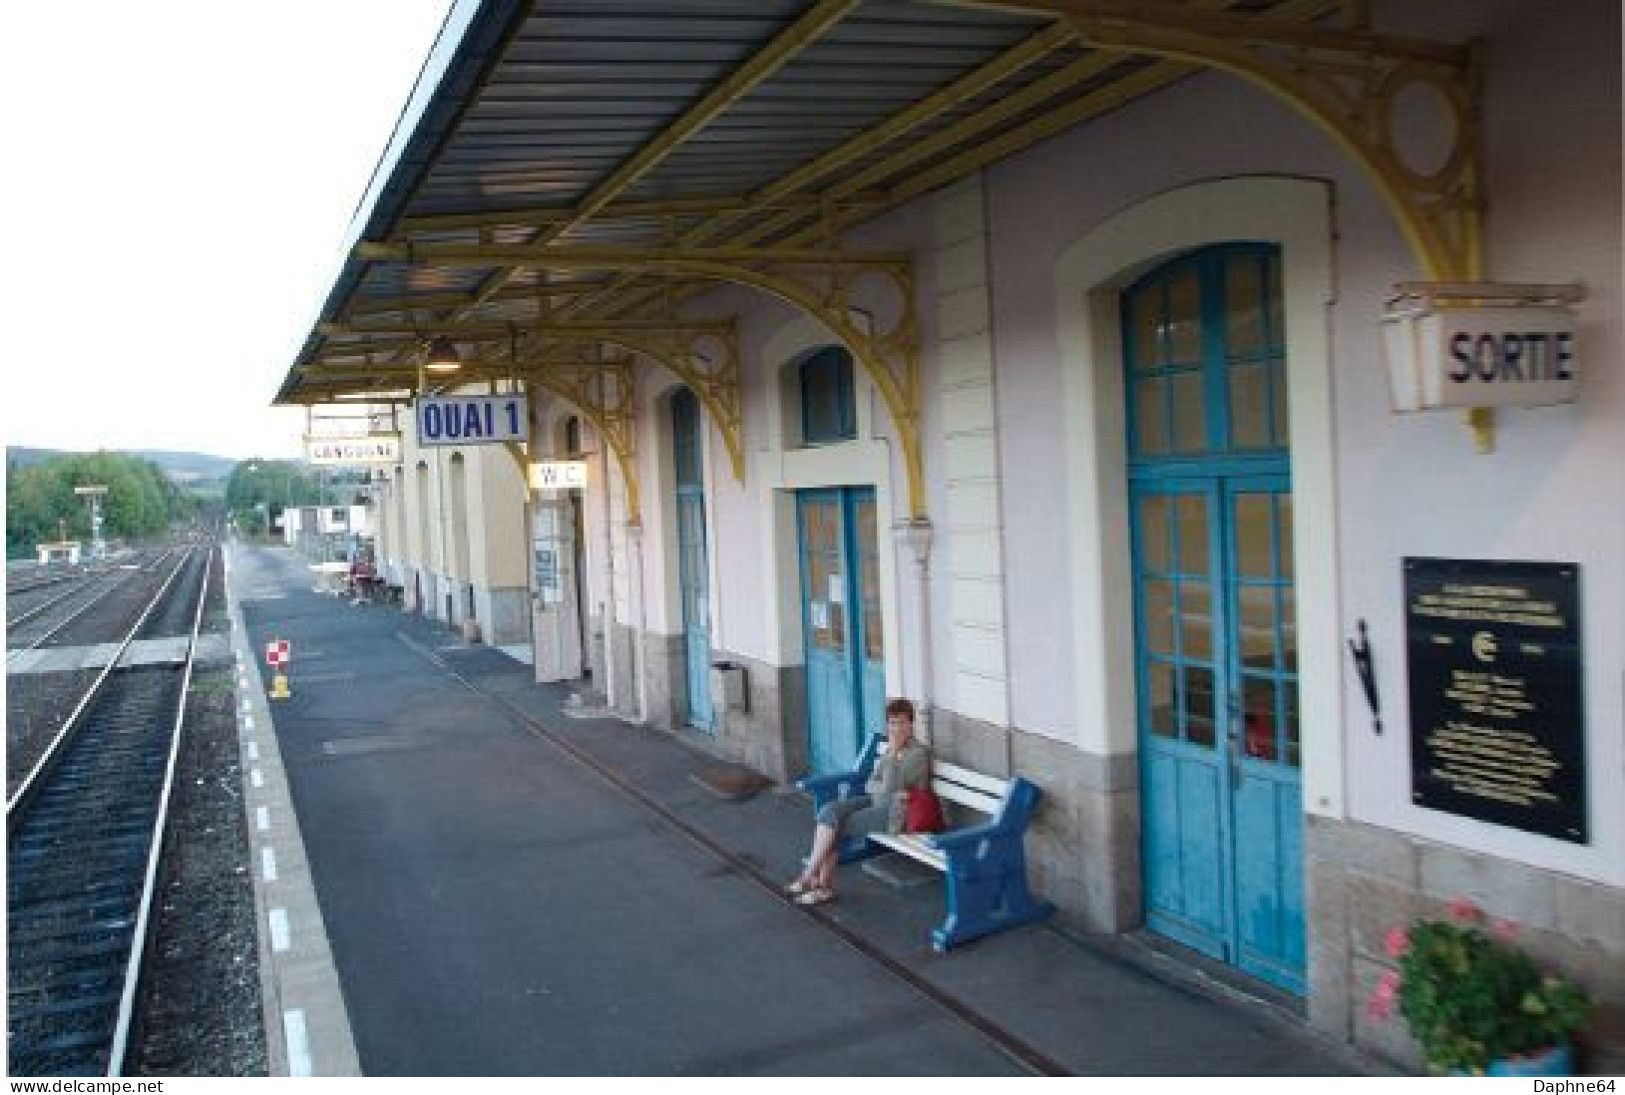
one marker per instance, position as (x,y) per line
(708,362)
(838,288)
(605,392)
(829,287)
(703,353)
(1356,86)
(1368,92)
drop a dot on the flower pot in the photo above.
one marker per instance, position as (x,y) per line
(1555,1060)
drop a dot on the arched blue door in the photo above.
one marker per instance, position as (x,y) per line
(841,623)
(693,573)
(1216,641)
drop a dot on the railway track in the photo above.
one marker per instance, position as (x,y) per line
(84,834)
(46,613)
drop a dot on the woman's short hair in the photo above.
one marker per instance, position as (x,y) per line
(900,706)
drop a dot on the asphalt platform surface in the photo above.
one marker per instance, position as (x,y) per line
(510,891)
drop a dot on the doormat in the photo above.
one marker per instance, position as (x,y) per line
(730,782)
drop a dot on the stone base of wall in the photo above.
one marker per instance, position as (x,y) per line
(504,615)
(1083,850)
(1364,880)
(448,600)
(768,732)
(621,686)
(667,686)
(594,655)
(414,585)
(426,593)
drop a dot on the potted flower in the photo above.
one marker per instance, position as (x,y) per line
(1475,1001)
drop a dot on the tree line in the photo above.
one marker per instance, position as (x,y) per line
(141,501)
(257,491)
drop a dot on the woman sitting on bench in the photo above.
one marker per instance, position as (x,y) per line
(905,766)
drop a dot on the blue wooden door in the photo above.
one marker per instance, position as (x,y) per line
(1265,752)
(1215,641)
(841,623)
(693,568)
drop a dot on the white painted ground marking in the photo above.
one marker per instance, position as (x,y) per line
(293,1030)
(248,723)
(281,935)
(253,750)
(268,864)
(256,777)
(262,818)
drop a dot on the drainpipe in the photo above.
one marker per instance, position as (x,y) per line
(916,533)
(612,682)
(637,590)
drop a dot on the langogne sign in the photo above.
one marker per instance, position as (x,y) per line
(1497,714)
(367,450)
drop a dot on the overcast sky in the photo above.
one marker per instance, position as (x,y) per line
(179,179)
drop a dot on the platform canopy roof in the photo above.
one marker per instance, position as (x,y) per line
(567,165)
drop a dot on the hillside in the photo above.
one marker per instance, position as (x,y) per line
(186,468)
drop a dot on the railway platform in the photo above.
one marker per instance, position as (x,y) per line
(496,887)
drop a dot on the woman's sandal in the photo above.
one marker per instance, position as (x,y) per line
(799,886)
(818,895)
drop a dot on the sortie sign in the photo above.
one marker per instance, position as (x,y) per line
(1481,357)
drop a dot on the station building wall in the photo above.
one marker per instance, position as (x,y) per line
(1024,462)
(451,534)
(1381,486)
(1016,634)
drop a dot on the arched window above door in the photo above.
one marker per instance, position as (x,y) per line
(828,404)
(1205,354)
(686,438)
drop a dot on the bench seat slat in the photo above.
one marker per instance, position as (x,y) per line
(913,845)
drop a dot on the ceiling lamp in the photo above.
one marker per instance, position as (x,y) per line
(443,356)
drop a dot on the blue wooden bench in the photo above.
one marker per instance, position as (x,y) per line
(984,865)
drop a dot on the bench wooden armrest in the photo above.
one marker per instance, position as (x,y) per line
(838,785)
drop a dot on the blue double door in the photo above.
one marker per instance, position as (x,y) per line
(1216,662)
(1220,743)
(838,538)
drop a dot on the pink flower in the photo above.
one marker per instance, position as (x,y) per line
(1464,911)
(1381,1004)
(1398,941)
(1506,930)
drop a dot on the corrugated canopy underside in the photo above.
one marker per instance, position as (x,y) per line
(679,123)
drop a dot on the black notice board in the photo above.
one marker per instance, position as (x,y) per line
(1497,715)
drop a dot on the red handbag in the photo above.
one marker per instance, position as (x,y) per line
(922,812)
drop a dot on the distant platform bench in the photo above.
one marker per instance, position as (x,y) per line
(984,864)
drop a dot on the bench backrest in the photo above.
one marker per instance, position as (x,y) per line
(982,793)
(985,794)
